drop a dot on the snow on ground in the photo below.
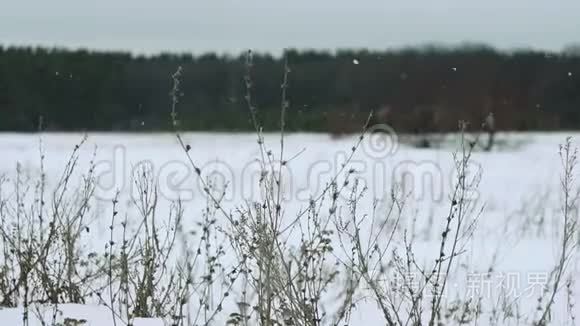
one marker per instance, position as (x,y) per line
(519,191)
(69,314)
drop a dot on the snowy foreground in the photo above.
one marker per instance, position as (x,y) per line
(517,205)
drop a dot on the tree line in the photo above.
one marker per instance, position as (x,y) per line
(421,89)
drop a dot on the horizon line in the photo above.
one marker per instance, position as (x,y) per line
(573,48)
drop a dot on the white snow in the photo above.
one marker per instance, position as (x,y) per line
(520,187)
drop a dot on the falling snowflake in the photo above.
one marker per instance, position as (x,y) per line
(355,61)
(569,74)
(454,69)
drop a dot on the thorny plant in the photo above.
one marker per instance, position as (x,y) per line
(42,235)
(146,278)
(406,291)
(569,236)
(285,282)
(45,237)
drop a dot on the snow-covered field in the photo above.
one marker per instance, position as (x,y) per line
(510,255)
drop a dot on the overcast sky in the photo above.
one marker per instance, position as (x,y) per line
(145,26)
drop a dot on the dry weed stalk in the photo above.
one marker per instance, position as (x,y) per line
(569,241)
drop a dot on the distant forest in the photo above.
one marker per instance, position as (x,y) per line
(423,89)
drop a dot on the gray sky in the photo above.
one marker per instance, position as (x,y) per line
(145,26)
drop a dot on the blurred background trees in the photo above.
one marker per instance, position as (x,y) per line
(415,90)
